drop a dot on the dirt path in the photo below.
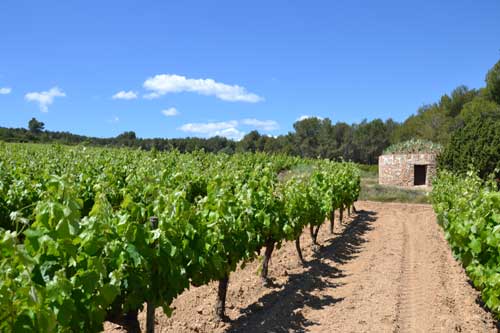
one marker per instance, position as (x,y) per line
(387,269)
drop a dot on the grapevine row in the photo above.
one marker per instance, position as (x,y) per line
(468,209)
(77,247)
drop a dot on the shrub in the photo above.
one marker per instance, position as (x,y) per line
(476,144)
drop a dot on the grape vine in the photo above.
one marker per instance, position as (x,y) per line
(77,247)
(468,209)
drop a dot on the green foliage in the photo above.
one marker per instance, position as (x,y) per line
(476,143)
(370,139)
(452,105)
(469,211)
(475,107)
(435,122)
(361,143)
(75,241)
(493,83)
(35,126)
(414,146)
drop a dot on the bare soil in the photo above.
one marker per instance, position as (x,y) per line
(388,268)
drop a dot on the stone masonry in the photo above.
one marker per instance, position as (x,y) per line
(399,169)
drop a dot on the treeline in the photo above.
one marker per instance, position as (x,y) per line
(442,122)
(312,137)
(126,139)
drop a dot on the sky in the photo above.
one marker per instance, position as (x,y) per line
(203,68)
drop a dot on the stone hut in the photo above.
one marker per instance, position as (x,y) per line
(411,163)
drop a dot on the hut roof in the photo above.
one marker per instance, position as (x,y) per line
(414,146)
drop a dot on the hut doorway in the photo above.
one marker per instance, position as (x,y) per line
(420,175)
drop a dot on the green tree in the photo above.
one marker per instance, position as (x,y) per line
(369,141)
(250,142)
(477,106)
(452,105)
(307,136)
(493,83)
(35,126)
(326,141)
(342,136)
(130,135)
(436,121)
(476,143)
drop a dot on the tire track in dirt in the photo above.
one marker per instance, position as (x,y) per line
(432,283)
(411,306)
(403,307)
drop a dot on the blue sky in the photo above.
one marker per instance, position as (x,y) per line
(199,68)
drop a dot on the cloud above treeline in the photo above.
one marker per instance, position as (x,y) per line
(162,84)
(44,98)
(226,129)
(307,116)
(266,125)
(229,129)
(206,128)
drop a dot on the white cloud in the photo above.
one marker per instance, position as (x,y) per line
(125,95)
(230,133)
(44,98)
(114,120)
(170,83)
(266,125)
(152,95)
(307,116)
(5,91)
(226,129)
(206,128)
(170,112)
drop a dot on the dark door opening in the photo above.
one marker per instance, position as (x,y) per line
(420,174)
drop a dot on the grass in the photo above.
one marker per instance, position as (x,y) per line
(372,191)
(392,194)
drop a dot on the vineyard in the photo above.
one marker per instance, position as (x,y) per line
(469,211)
(249,167)
(88,235)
